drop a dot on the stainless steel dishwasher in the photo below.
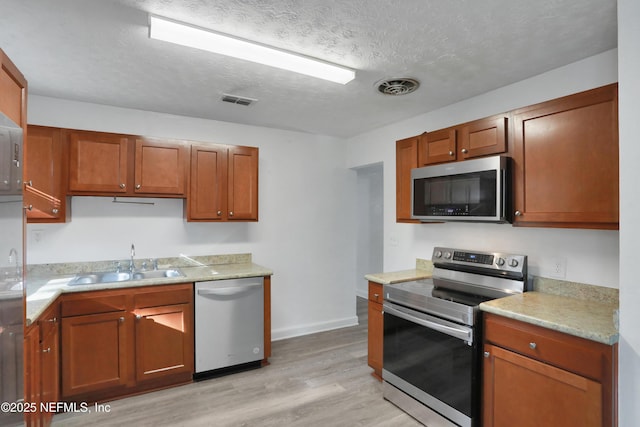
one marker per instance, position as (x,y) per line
(229,325)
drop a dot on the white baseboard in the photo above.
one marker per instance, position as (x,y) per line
(312,328)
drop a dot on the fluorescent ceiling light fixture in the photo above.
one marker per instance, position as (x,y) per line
(199,38)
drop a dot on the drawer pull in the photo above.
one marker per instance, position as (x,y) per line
(486,354)
(48,350)
(532,345)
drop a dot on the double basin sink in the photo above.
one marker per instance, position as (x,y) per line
(123,276)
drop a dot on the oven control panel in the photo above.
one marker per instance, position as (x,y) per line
(484,260)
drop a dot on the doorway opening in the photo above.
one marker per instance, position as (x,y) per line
(370,224)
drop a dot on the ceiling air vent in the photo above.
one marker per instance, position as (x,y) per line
(240,100)
(397,86)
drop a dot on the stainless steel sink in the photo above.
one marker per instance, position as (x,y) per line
(156,274)
(123,276)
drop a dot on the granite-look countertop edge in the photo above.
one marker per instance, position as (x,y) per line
(592,320)
(46,290)
(423,270)
(398,276)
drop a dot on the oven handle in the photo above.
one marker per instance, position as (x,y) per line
(463,334)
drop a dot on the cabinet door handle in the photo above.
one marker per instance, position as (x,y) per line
(52,320)
(451,153)
(532,345)
(518,213)
(121,320)
(486,354)
(219,213)
(138,186)
(230,213)
(122,186)
(376,296)
(138,316)
(48,350)
(464,151)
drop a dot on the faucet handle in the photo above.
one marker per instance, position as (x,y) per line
(154,262)
(144,265)
(117,263)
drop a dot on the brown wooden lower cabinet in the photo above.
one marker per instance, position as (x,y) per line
(538,377)
(120,342)
(164,344)
(95,353)
(375,329)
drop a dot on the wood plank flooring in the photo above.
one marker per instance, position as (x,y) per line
(315,380)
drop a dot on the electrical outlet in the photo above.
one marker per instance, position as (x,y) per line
(558,267)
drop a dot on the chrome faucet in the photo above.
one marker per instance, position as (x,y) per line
(132,265)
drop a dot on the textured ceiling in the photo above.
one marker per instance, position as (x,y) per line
(99,51)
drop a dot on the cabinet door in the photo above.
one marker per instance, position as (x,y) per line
(242,196)
(32,389)
(207,199)
(98,162)
(164,341)
(13,91)
(50,371)
(437,147)
(519,391)
(566,161)
(406,159)
(95,353)
(375,329)
(483,137)
(44,163)
(160,167)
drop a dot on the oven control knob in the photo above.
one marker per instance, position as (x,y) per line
(447,255)
(437,254)
(513,262)
(500,262)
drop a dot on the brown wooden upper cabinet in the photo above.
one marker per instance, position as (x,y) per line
(160,167)
(98,163)
(110,164)
(478,138)
(224,183)
(406,159)
(566,161)
(13,96)
(45,172)
(437,147)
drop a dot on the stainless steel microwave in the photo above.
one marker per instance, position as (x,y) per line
(472,190)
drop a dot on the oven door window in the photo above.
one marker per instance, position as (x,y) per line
(436,363)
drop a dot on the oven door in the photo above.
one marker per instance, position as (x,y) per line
(432,360)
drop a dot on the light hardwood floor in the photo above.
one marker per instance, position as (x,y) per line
(315,380)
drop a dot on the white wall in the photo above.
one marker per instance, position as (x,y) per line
(305,209)
(629,94)
(591,255)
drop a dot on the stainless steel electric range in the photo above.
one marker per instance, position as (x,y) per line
(433,335)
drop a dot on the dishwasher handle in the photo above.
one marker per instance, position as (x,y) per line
(229,290)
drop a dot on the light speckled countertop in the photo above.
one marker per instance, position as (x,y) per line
(423,270)
(581,310)
(47,281)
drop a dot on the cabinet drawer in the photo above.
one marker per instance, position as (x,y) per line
(164,295)
(49,320)
(375,292)
(92,303)
(578,355)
